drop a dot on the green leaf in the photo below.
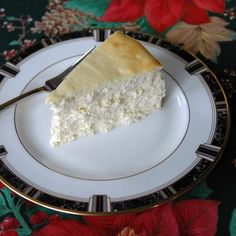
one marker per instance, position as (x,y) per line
(4,211)
(10,18)
(232,226)
(30,210)
(9,197)
(145,26)
(95,24)
(14,43)
(15,208)
(19,203)
(97,8)
(200,191)
(2,200)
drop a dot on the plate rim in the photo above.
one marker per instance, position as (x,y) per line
(100,34)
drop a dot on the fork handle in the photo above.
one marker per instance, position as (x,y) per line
(18,98)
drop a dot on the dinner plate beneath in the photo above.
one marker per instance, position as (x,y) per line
(129,168)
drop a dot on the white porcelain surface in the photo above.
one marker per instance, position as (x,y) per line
(129,160)
(125,151)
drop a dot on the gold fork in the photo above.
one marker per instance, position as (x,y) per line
(49,85)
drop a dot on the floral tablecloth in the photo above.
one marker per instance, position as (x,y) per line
(207,28)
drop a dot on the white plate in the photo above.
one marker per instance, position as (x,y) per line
(125,151)
(120,167)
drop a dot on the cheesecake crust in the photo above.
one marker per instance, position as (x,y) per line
(119,57)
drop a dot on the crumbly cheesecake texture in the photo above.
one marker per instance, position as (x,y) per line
(119,83)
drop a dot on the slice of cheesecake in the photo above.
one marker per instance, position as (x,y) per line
(119,83)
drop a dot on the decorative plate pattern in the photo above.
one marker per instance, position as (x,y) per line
(208,154)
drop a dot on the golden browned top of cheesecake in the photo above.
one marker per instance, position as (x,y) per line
(119,57)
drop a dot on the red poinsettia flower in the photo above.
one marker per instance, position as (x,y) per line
(187,218)
(9,54)
(28,43)
(1,185)
(197,217)
(58,226)
(8,226)
(162,14)
(9,233)
(38,218)
(9,223)
(158,221)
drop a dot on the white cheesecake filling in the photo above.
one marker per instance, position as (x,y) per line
(105,107)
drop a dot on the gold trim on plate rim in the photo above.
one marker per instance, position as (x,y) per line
(149,206)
